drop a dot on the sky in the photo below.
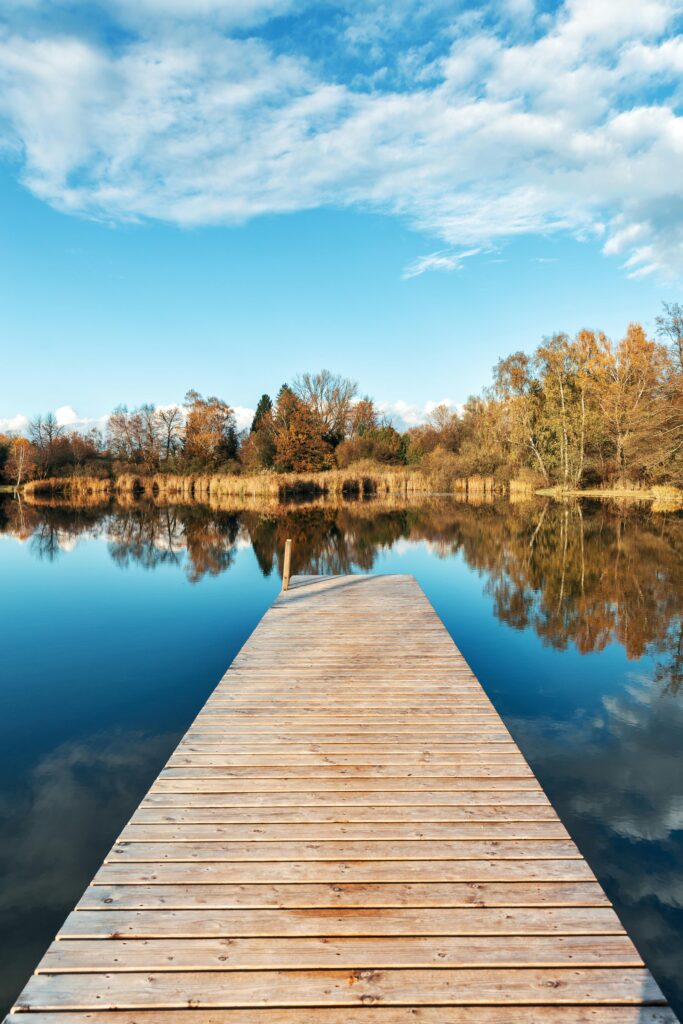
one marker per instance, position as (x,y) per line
(220,195)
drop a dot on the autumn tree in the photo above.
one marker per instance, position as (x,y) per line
(44,431)
(329,396)
(135,436)
(630,389)
(566,370)
(21,461)
(382,443)
(483,444)
(388,445)
(5,444)
(210,430)
(446,422)
(285,405)
(85,449)
(299,436)
(257,448)
(443,429)
(45,434)
(362,417)
(171,423)
(522,398)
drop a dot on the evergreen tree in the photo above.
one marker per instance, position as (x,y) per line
(264,406)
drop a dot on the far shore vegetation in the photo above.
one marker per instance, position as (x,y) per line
(582,414)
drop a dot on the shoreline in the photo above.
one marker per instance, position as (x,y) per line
(356,483)
(596,492)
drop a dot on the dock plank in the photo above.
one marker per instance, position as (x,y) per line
(443,1014)
(315,953)
(347,834)
(202,923)
(182,832)
(156,895)
(206,989)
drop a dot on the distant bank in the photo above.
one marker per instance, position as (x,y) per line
(357,481)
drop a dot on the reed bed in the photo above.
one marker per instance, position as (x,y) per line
(667,498)
(70,486)
(358,481)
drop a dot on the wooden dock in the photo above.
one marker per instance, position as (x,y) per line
(347,834)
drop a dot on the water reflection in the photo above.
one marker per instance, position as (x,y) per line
(617,782)
(582,574)
(55,834)
(570,614)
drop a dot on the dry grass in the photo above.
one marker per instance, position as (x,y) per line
(273,491)
(667,498)
(359,480)
(667,492)
(70,486)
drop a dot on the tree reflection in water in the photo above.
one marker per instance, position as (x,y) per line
(585,573)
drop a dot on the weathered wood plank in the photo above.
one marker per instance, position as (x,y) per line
(424,773)
(381,719)
(156,895)
(485,796)
(203,743)
(346,814)
(206,989)
(212,832)
(244,872)
(338,850)
(462,762)
(415,1014)
(313,953)
(352,737)
(356,921)
(337,783)
(213,828)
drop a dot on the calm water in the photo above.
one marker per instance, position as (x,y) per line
(115,625)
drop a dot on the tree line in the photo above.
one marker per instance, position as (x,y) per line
(582,410)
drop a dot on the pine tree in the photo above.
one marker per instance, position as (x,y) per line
(264,406)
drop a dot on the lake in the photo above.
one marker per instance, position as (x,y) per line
(117,622)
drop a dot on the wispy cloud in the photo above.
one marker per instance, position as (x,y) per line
(443,260)
(473,126)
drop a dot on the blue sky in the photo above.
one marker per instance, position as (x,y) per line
(195,193)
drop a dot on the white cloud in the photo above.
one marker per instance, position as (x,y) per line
(236,12)
(243,416)
(69,418)
(14,424)
(405,414)
(572,128)
(455,407)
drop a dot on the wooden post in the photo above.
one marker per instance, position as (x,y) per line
(286,567)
